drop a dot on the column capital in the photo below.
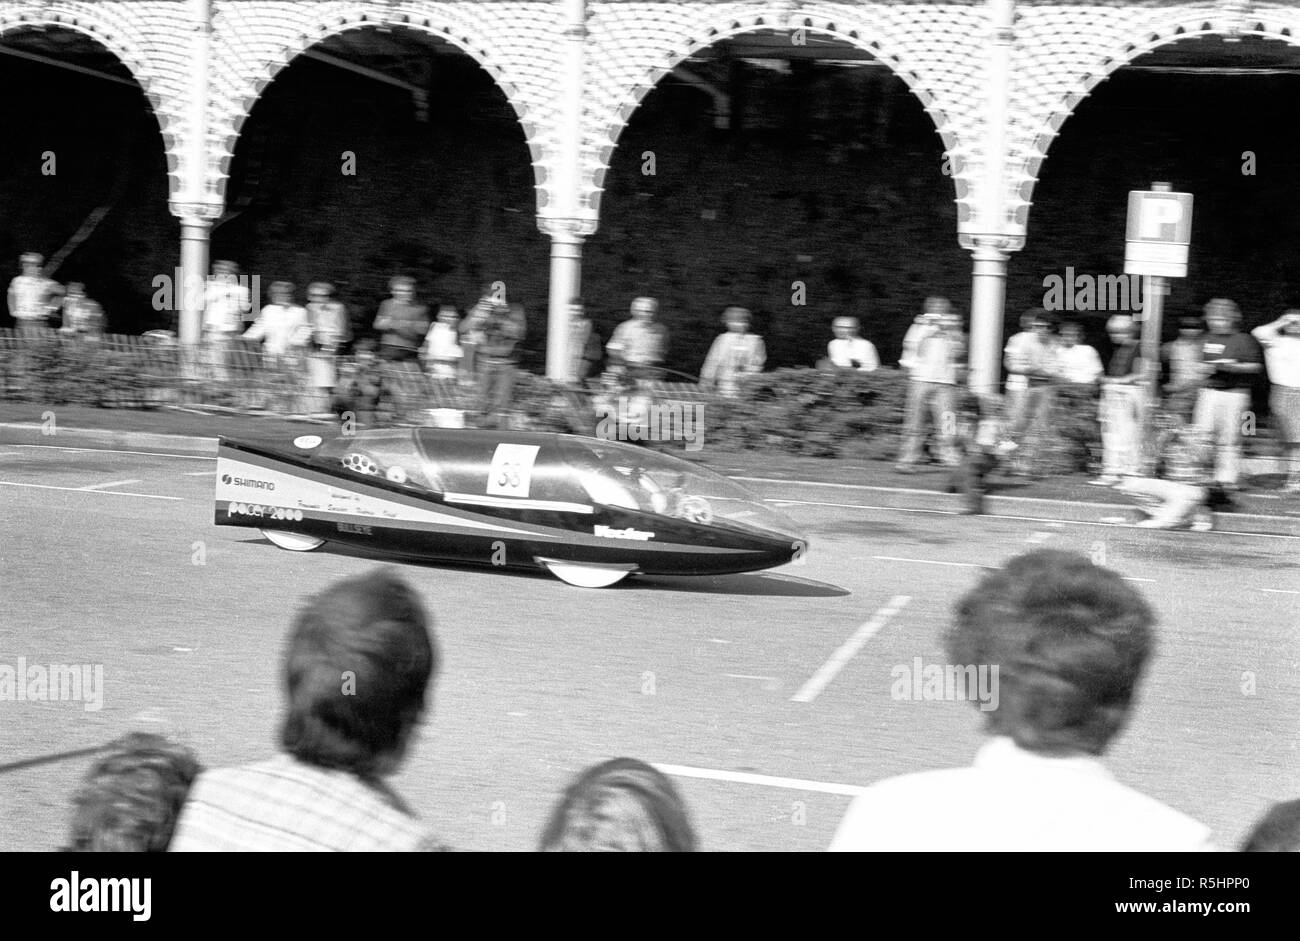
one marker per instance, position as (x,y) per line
(566,229)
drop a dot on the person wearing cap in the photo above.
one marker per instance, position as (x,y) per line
(401,322)
(1230,359)
(32,296)
(1281,342)
(735,354)
(849,350)
(82,317)
(285,332)
(1183,357)
(936,368)
(331,328)
(1030,358)
(637,344)
(1122,404)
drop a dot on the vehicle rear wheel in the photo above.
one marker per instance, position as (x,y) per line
(586,576)
(294,542)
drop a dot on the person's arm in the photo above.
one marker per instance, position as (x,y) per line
(709,371)
(1095,369)
(258,330)
(1241,357)
(13,299)
(870,358)
(1013,357)
(1269,332)
(759,357)
(383,321)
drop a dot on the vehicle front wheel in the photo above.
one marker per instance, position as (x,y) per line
(294,542)
(586,576)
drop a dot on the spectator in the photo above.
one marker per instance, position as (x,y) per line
(932,313)
(331,330)
(471,330)
(1278,831)
(1231,358)
(1070,640)
(850,351)
(1030,358)
(1185,373)
(82,317)
(977,445)
(1281,342)
(32,295)
(1180,495)
(638,342)
(584,343)
(503,335)
(129,800)
(1123,402)
(442,352)
(361,395)
(225,302)
(935,370)
(623,805)
(734,354)
(285,331)
(357,670)
(1078,362)
(402,323)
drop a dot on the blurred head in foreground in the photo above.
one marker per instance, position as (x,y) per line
(130,799)
(623,805)
(359,661)
(1278,831)
(1070,639)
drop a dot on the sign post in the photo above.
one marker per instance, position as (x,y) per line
(1158,234)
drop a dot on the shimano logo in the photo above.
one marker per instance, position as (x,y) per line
(247,482)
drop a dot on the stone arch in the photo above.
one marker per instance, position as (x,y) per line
(466,35)
(603,138)
(1036,140)
(126,49)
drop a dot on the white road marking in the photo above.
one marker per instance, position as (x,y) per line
(964,565)
(749,676)
(55,447)
(111,483)
(1038,538)
(848,650)
(718,640)
(1281,591)
(198,473)
(767,780)
(111,493)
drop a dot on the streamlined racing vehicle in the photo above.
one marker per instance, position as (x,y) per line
(589,511)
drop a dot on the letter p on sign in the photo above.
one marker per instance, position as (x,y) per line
(1159,217)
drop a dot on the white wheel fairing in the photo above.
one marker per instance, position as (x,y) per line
(294,542)
(585,576)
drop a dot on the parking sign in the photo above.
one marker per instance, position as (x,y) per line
(1159,231)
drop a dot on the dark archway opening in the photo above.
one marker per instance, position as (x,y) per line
(829,173)
(83,173)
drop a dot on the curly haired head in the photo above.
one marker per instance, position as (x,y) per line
(623,805)
(130,799)
(1070,639)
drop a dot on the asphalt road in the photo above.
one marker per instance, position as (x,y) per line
(767,696)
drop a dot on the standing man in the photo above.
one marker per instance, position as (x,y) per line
(402,323)
(285,331)
(1030,358)
(1231,359)
(331,328)
(849,350)
(32,295)
(225,303)
(1185,374)
(503,335)
(935,371)
(638,342)
(584,343)
(1281,341)
(1123,404)
(734,354)
(1078,362)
